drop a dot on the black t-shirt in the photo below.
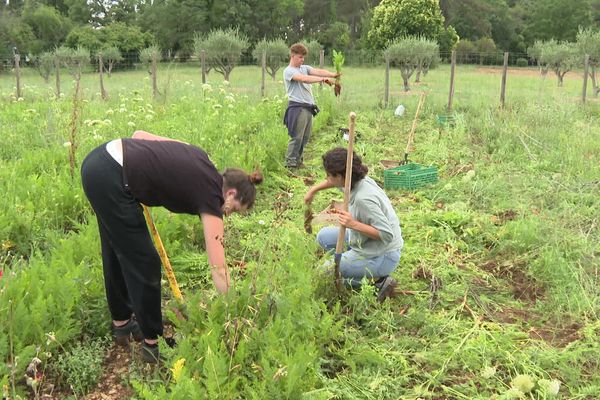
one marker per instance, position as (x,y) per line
(174,175)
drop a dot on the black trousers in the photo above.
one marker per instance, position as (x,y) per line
(130,261)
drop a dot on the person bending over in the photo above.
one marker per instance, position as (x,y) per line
(155,171)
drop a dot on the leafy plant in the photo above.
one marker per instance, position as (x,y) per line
(338,62)
(81,366)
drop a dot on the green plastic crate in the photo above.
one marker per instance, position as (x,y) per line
(446,120)
(409,176)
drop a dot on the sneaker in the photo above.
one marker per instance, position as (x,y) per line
(121,334)
(150,353)
(387,287)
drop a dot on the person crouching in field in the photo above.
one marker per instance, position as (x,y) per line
(301,108)
(156,171)
(373,230)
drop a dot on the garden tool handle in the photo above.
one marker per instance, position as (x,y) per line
(163,254)
(347,181)
(411,135)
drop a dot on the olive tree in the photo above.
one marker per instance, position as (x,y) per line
(485,47)
(588,43)
(110,55)
(560,57)
(44,63)
(150,55)
(410,54)
(535,53)
(223,48)
(277,54)
(314,52)
(427,57)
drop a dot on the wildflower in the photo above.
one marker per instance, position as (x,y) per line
(230,106)
(524,383)
(222,91)
(131,124)
(122,110)
(51,337)
(550,387)
(107,122)
(217,106)
(261,222)
(225,83)
(488,372)
(67,144)
(149,117)
(177,369)
(109,112)
(229,98)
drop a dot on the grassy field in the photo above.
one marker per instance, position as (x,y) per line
(501,258)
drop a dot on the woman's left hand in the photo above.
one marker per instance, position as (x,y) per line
(345,219)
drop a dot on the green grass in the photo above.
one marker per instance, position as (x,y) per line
(510,231)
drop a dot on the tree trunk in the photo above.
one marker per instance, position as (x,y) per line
(406,85)
(110,67)
(418,76)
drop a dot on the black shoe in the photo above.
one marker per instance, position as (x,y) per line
(150,353)
(387,286)
(121,334)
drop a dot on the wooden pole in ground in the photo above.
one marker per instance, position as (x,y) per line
(452,69)
(263,63)
(203,65)
(504,74)
(321,64)
(586,71)
(57,67)
(386,95)
(18,74)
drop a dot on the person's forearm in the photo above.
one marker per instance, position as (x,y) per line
(321,186)
(365,229)
(309,78)
(322,72)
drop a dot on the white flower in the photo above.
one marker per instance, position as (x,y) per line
(122,110)
(225,83)
(67,144)
(109,112)
(549,387)
(149,117)
(131,124)
(261,222)
(206,86)
(488,372)
(20,99)
(107,122)
(523,382)
(230,106)
(222,91)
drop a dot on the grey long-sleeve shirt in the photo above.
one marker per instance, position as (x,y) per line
(370,205)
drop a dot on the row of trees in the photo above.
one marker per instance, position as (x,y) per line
(131,25)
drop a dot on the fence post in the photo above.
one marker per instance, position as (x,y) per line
(57,67)
(203,65)
(386,95)
(321,63)
(103,93)
(264,71)
(586,71)
(18,74)
(504,73)
(452,68)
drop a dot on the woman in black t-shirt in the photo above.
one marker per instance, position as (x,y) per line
(155,171)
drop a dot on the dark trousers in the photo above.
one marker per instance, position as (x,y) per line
(130,261)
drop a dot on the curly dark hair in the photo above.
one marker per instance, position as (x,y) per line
(334,162)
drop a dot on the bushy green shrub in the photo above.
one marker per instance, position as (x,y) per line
(522,62)
(81,366)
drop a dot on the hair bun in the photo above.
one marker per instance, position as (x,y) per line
(255,177)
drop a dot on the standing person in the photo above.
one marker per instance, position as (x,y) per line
(156,171)
(301,108)
(373,229)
